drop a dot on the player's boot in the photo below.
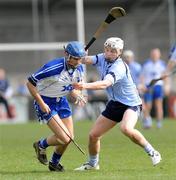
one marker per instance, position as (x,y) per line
(87,166)
(41,153)
(156,157)
(57,168)
(147,123)
(159,124)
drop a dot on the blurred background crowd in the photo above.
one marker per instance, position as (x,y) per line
(34,31)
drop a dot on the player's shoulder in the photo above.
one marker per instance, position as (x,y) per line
(100,56)
(119,65)
(57,62)
(98,59)
(54,66)
(119,62)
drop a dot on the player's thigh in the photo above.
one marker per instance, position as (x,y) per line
(68,122)
(101,126)
(158,103)
(59,129)
(129,120)
(148,105)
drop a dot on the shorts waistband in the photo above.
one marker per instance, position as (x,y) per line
(53,99)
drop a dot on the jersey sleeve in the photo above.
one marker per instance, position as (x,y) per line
(96,59)
(49,69)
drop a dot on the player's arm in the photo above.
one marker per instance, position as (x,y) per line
(33,91)
(97,85)
(87,60)
(108,80)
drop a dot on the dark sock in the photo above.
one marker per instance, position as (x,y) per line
(56,158)
(43,143)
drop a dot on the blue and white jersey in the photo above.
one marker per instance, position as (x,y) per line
(135,69)
(153,70)
(172,55)
(123,88)
(54,79)
(4,85)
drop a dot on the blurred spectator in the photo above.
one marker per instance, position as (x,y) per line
(153,68)
(22,89)
(5,92)
(135,67)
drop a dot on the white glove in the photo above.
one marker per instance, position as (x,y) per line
(81,100)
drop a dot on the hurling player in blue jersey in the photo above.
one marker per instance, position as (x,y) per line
(124,103)
(154,67)
(49,86)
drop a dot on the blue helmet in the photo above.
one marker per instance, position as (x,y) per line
(75,49)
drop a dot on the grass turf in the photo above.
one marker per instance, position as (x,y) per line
(119,158)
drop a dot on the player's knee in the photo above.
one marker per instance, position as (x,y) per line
(93,136)
(126,130)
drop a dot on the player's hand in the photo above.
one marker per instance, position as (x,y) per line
(78,86)
(81,100)
(45,108)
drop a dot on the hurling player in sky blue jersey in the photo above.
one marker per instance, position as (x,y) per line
(134,66)
(49,86)
(124,103)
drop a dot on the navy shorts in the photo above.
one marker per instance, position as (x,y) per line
(115,110)
(58,106)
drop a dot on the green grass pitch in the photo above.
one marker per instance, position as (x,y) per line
(119,157)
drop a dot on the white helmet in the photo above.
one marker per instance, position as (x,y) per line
(114,42)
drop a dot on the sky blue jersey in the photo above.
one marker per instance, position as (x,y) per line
(135,70)
(123,88)
(54,79)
